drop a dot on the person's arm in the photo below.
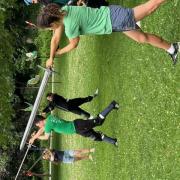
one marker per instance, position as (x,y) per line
(36,136)
(81,3)
(29,173)
(73,43)
(54,44)
(48,108)
(44,137)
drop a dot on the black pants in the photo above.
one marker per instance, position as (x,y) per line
(85,128)
(73,105)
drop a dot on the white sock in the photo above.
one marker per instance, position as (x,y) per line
(91,117)
(101,116)
(171,50)
(138,23)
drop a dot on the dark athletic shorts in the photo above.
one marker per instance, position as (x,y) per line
(122,19)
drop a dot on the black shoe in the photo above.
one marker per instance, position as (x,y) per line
(174,56)
(115,104)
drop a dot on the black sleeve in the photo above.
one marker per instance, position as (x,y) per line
(57,98)
(48,108)
(96,3)
(46,2)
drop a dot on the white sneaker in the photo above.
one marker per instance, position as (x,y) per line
(174,56)
(91,117)
(90,157)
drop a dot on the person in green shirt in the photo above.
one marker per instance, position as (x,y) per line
(78,126)
(77,21)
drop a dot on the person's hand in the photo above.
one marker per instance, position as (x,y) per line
(49,63)
(32,135)
(43,114)
(28,173)
(81,3)
(31,141)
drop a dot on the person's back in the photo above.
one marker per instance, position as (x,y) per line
(59,100)
(85,20)
(58,125)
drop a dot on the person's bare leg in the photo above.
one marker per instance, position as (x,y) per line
(141,37)
(83,151)
(82,157)
(146,9)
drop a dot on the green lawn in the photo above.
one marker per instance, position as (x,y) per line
(142,79)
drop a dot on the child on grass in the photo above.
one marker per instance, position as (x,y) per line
(68,156)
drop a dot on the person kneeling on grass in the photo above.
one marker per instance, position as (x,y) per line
(71,105)
(89,21)
(78,126)
(68,156)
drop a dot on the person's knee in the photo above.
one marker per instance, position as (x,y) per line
(143,38)
(98,139)
(95,137)
(152,6)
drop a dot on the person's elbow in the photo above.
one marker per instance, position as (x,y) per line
(74,42)
(46,137)
(74,45)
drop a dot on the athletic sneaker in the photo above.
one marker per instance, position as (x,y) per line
(174,56)
(92,150)
(90,157)
(116,105)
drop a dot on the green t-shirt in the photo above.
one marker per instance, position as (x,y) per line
(81,20)
(58,125)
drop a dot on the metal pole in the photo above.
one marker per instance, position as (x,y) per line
(29,146)
(35,107)
(35,163)
(50,163)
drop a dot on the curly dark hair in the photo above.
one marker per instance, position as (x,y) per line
(38,118)
(49,94)
(50,14)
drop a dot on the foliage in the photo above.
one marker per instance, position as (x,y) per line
(15,71)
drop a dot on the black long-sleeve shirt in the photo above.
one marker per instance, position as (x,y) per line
(57,101)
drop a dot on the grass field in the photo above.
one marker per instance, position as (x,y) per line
(147,86)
